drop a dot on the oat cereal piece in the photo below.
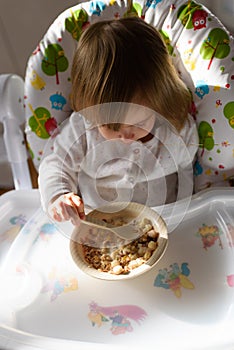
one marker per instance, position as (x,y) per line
(152,245)
(153,233)
(117,270)
(147,255)
(147,228)
(114,263)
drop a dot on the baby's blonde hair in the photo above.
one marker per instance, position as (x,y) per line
(119,60)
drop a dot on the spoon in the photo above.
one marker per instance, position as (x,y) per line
(126,232)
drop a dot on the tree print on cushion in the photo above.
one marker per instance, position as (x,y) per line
(228,112)
(42,123)
(216,45)
(134,11)
(167,41)
(205,133)
(76,23)
(54,61)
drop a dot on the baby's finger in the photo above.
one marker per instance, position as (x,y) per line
(75,220)
(81,214)
(67,210)
(70,211)
(79,205)
(55,215)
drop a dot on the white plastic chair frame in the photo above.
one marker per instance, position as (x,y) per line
(12,117)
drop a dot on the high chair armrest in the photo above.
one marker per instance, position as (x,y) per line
(12,117)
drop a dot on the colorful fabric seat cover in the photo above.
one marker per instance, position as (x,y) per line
(202,51)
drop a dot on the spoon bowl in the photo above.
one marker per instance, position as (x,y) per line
(128,231)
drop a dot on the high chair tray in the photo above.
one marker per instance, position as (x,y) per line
(185,302)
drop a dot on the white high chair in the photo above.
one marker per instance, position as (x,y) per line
(186,301)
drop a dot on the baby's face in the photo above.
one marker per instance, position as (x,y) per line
(136,126)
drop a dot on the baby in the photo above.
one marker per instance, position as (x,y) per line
(131,137)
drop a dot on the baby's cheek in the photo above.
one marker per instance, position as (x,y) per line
(106,133)
(141,133)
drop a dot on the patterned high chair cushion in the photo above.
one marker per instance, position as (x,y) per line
(201,48)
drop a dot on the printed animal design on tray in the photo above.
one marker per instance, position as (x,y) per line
(47,231)
(209,235)
(174,278)
(17,223)
(118,316)
(59,283)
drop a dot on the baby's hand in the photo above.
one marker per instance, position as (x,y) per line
(67,206)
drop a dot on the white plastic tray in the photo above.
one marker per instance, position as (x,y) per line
(185,302)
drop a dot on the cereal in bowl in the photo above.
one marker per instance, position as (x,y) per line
(121,257)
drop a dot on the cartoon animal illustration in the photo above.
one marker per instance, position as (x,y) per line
(51,127)
(152,3)
(174,278)
(96,7)
(96,318)
(18,220)
(9,235)
(209,235)
(199,19)
(46,231)
(57,101)
(202,89)
(119,316)
(36,81)
(188,59)
(198,170)
(17,223)
(190,15)
(59,283)
(120,324)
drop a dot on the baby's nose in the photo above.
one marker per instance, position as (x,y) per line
(127,134)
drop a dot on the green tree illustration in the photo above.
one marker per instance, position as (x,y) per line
(134,11)
(37,121)
(167,41)
(185,14)
(76,22)
(216,45)
(205,133)
(228,112)
(54,61)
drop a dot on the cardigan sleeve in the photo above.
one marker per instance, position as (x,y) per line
(58,171)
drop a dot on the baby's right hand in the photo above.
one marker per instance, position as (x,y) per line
(67,206)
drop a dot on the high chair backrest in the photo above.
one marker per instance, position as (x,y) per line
(202,51)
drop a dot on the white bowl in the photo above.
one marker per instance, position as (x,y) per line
(129,212)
